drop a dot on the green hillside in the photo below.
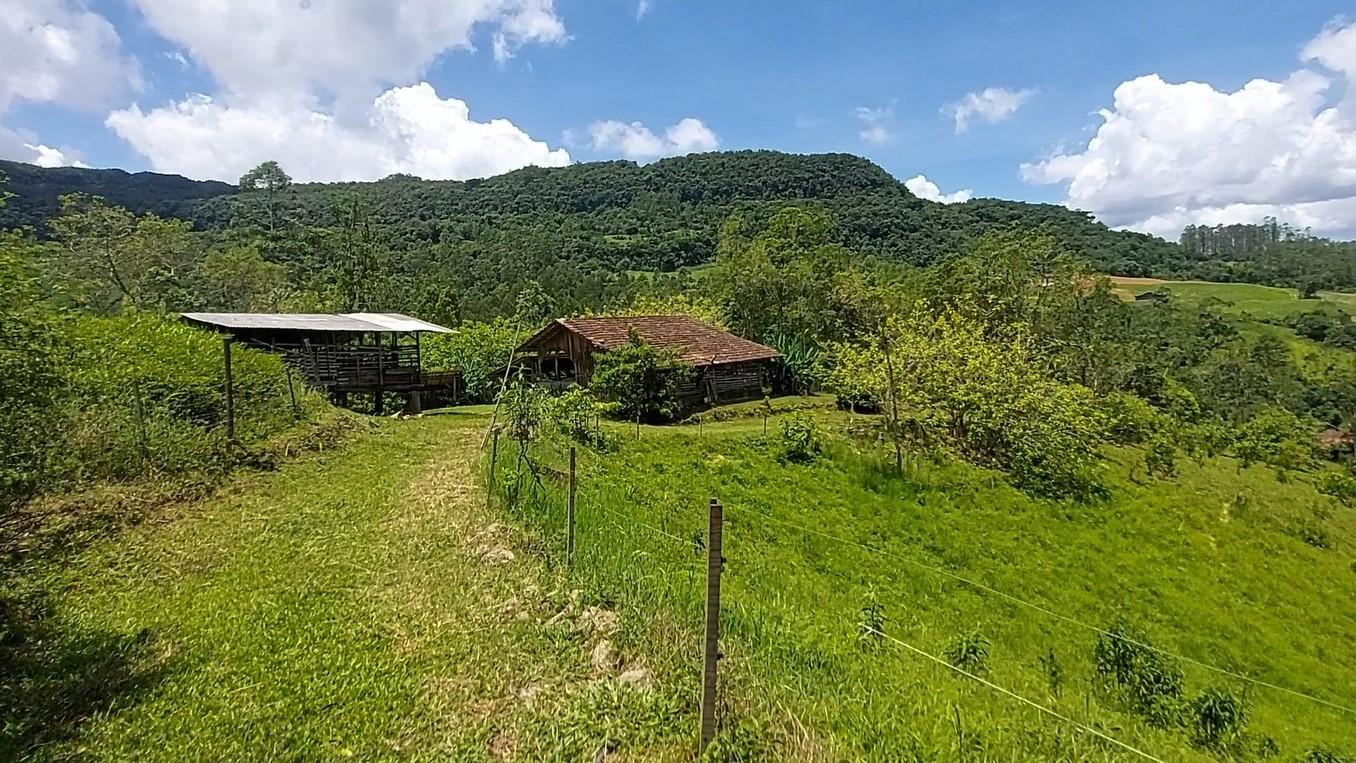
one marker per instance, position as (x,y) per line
(809,546)
(657,216)
(334,610)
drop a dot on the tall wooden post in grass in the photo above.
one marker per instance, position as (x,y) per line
(489,481)
(569,514)
(230,389)
(139,414)
(291,391)
(715,565)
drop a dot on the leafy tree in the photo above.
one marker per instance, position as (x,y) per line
(269,180)
(238,279)
(987,398)
(643,380)
(1276,437)
(108,259)
(477,350)
(360,260)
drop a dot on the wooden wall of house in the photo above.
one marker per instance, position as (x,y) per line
(575,347)
(729,382)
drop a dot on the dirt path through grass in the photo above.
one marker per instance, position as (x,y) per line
(361,604)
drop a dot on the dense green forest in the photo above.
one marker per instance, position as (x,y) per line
(589,221)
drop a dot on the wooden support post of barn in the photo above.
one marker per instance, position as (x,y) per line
(230,388)
(715,565)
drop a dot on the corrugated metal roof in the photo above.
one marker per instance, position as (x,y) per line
(698,343)
(398,322)
(315,321)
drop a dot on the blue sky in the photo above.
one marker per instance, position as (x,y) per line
(580,80)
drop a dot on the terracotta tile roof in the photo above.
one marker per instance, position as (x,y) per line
(700,344)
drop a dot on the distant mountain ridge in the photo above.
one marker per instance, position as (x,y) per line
(661,215)
(36,190)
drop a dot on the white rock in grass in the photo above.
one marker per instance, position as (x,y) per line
(639,678)
(605,658)
(498,555)
(599,622)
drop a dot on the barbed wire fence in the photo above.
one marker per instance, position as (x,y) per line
(688,549)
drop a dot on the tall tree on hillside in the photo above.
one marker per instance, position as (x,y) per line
(270,180)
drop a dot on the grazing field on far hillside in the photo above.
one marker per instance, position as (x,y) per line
(1221,565)
(1259,302)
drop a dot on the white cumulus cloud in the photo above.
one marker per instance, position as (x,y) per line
(876,124)
(331,88)
(22,146)
(408,130)
(992,104)
(636,141)
(923,188)
(1169,154)
(349,48)
(54,51)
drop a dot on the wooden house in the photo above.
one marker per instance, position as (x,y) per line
(728,368)
(363,353)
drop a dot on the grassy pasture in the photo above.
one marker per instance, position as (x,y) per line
(1210,565)
(359,603)
(1241,299)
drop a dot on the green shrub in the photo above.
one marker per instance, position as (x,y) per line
(969,653)
(575,414)
(642,380)
(144,394)
(525,409)
(478,350)
(1217,719)
(871,621)
(1130,419)
(801,442)
(1274,436)
(1152,682)
(1338,485)
(1054,672)
(1324,755)
(29,376)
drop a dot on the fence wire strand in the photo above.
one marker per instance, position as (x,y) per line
(1056,615)
(990,684)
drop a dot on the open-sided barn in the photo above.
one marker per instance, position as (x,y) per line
(728,368)
(362,353)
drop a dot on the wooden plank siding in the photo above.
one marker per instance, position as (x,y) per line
(726,368)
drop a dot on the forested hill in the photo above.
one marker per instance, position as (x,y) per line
(36,190)
(661,215)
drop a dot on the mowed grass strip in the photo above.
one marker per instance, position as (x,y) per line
(330,610)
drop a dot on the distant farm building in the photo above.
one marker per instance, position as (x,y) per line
(343,354)
(727,368)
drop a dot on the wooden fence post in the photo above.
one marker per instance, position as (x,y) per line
(230,389)
(489,482)
(291,391)
(139,414)
(715,564)
(569,514)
